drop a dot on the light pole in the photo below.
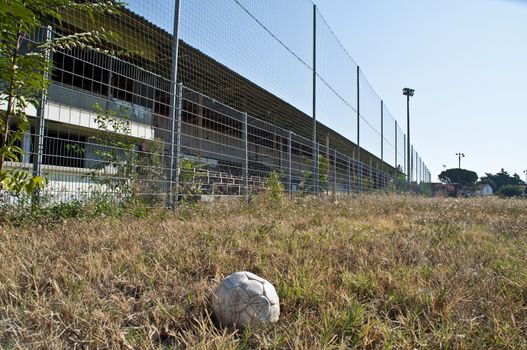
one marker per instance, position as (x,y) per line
(525,172)
(408,93)
(459,155)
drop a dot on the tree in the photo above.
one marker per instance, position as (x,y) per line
(498,180)
(510,191)
(25,68)
(461,177)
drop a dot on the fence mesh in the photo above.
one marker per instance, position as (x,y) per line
(115,123)
(389,129)
(336,89)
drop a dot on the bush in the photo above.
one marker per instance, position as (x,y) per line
(276,188)
(50,210)
(510,191)
(191,180)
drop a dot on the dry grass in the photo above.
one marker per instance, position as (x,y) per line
(366,272)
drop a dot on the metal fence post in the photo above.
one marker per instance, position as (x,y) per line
(382,135)
(355,174)
(405,170)
(423,171)
(246,158)
(412,155)
(41,116)
(349,175)
(417,168)
(314,97)
(378,177)
(175,105)
(317,167)
(359,187)
(335,172)
(371,182)
(289,162)
(420,170)
(396,165)
(175,147)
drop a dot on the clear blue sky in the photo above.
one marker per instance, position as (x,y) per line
(467,60)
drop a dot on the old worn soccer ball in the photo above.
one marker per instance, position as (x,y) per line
(244,299)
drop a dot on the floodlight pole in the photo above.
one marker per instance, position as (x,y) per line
(460,155)
(408,93)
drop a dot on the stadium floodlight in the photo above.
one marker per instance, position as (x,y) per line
(408,93)
(460,155)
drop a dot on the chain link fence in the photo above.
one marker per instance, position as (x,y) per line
(212,98)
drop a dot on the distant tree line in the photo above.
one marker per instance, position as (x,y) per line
(502,183)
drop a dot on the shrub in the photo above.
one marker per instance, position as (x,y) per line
(323,178)
(191,179)
(276,188)
(510,191)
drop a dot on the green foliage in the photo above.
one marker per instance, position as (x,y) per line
(496,181)
(462,177)
(366,183)
(151,171)
(115,148)
(124,171)
(323,178)
(400,175)
(511,191)
(425,188)
(51,210)
(276,188)
(17,181)
(190,179)
(25,68)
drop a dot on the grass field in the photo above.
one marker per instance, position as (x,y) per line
(366,272)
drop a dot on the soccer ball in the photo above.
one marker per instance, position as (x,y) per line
(244,299)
